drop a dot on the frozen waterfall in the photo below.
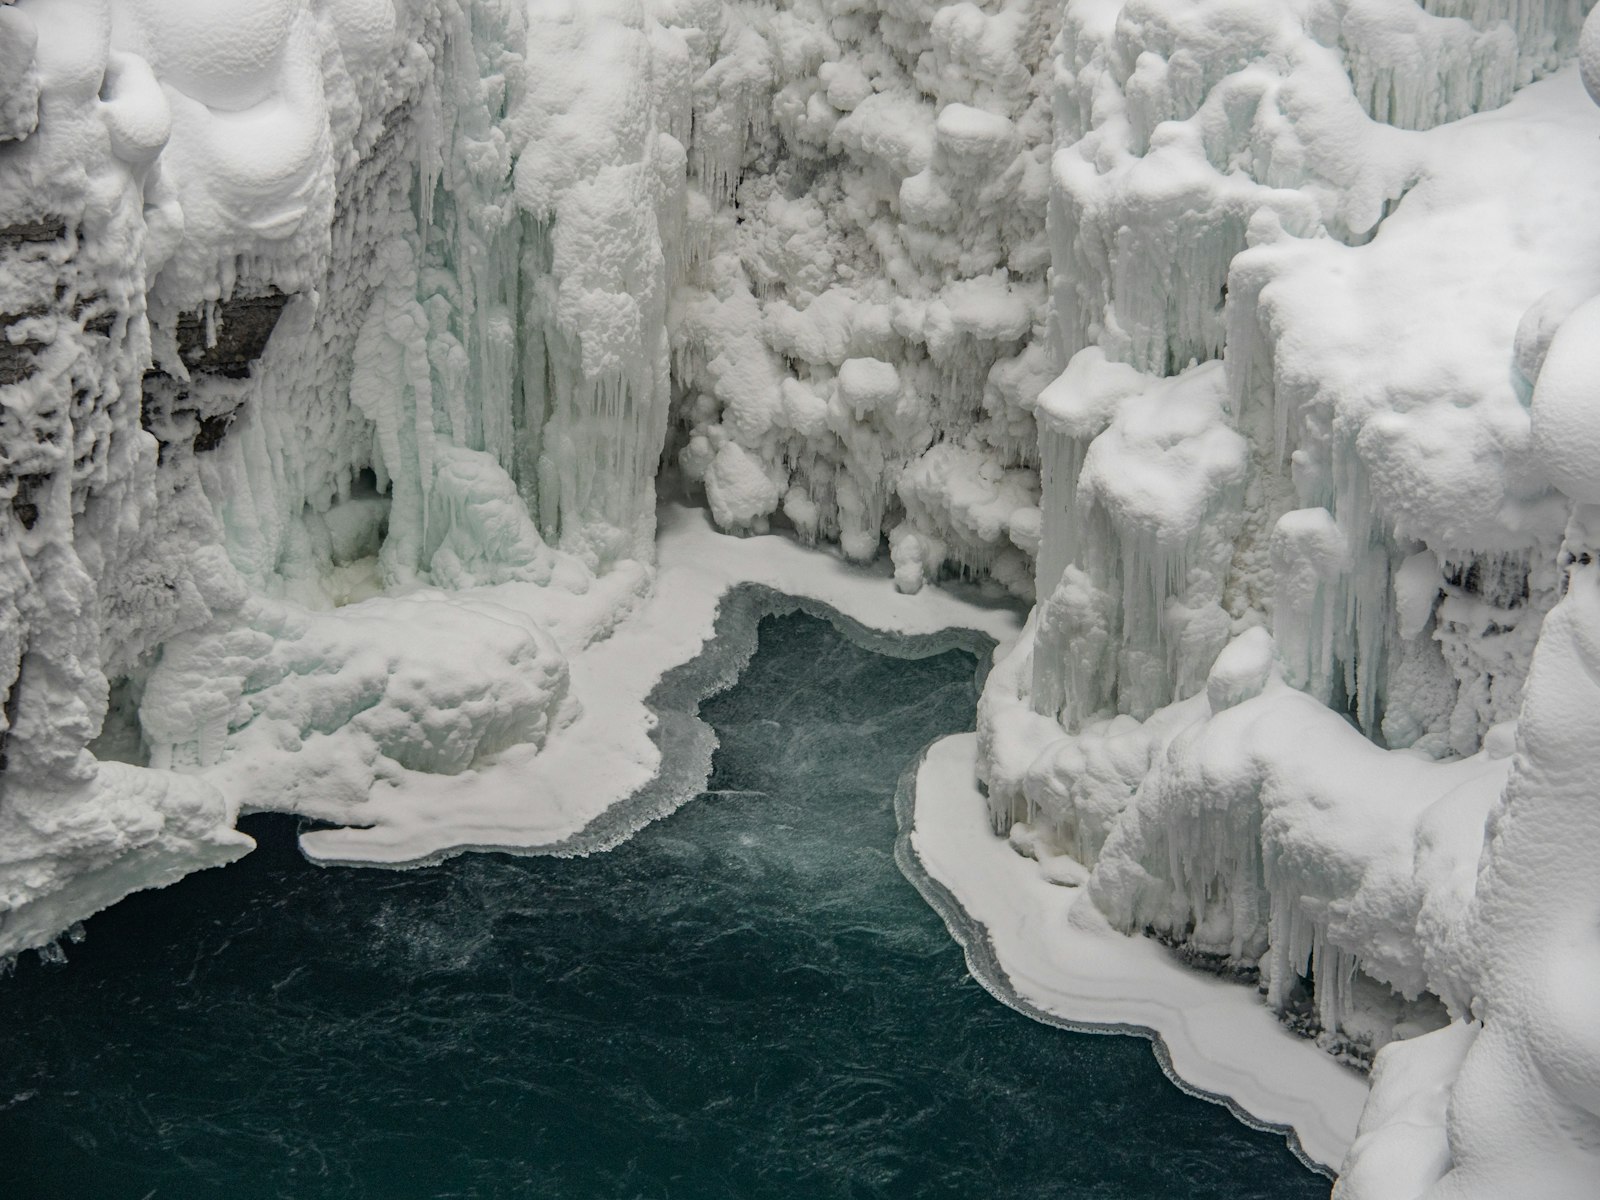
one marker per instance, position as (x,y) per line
(345,343)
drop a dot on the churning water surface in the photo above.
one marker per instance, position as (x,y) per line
(744,1000)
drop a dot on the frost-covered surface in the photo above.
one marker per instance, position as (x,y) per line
(1299,537)
(342,342)
(1034,936)
(528,799)
(347,308)
(262,272)
(859,338)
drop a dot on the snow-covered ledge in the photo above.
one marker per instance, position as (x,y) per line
(330,472)
(528,799)
(1035,940)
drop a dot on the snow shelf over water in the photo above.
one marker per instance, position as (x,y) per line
(329,473)
(644,752)
(1034,939)
(531,800)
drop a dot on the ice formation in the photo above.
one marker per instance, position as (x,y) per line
(349,309)
(1250,340)
(1300,538)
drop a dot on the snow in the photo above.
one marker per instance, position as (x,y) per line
(1566,412)
(1529,951)
(528,799)
(896,219)
(1402,1145)
(19,83)
(1044,948)
(1251,341)
(1390,549)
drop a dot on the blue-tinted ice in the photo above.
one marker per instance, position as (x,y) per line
(746,999)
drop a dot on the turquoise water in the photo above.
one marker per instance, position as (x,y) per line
(744,1000)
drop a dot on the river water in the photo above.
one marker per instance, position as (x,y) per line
(744,1000)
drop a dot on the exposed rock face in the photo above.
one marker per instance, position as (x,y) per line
(17,356)
(228,340)
(224,342)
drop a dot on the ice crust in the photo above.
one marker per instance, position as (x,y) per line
(1375,557)
(857,334)
(605,774)
(1034,939)
(342,343)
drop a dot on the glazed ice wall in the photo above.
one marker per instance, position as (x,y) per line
(270,281)
(858,345)
(85,212)
(1297,540)
(1192,134)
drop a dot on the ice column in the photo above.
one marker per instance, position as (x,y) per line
(600,182)
(857,350)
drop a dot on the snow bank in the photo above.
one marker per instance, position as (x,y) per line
(1522,1091)
(568,797)
(1300,534)
(1034,939)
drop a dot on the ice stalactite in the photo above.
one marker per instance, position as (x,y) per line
(1353,510)
(413,297)
(1478,53)
(857,348)
(600,183)
(292,264)
(1143,482)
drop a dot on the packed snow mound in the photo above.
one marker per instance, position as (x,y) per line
(19,81)
(1524,1087)
(1531,950)
(294,710)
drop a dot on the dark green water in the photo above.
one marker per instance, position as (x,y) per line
(744,1000)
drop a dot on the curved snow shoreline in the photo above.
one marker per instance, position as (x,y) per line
(700,624)
(690,640)
(686,742)
(603,776)
(1035,948)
